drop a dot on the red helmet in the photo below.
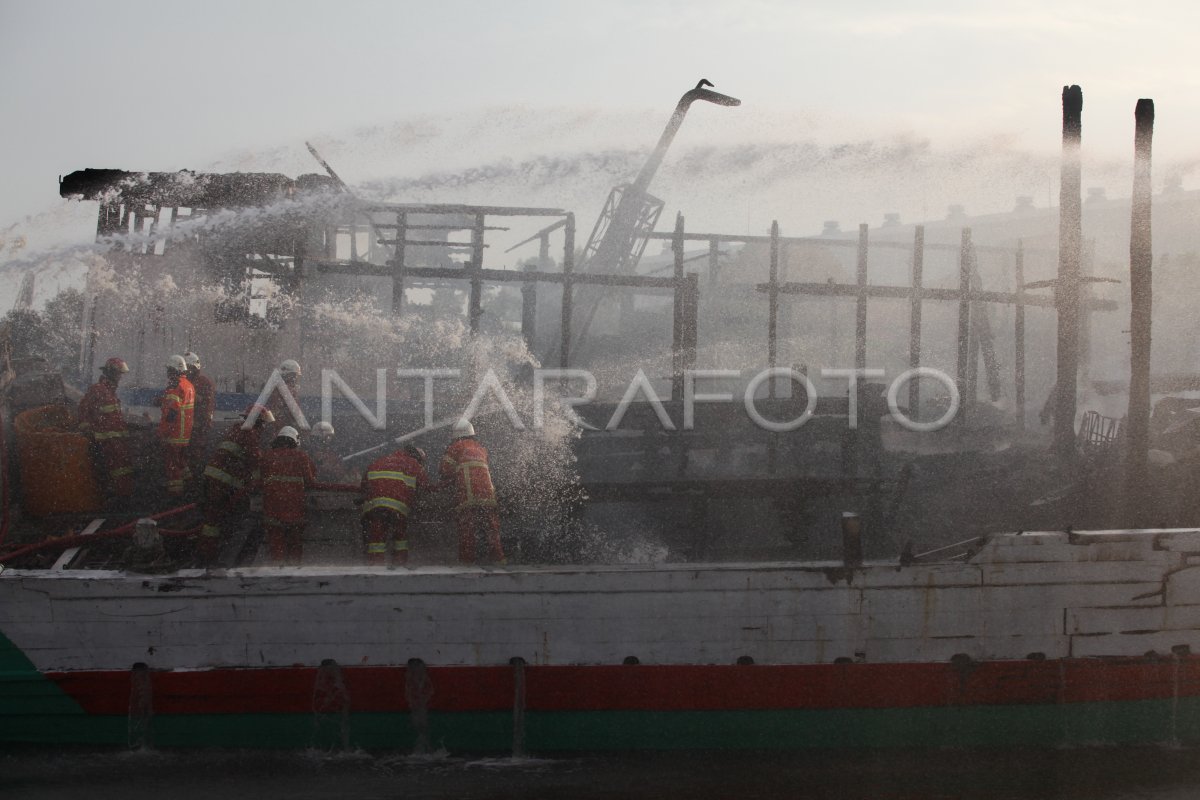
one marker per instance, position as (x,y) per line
(264,413)
(115,365)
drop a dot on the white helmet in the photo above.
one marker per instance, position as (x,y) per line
(288,432)
(463,428)
(192,359)
(323,429)
(176,364)
(290,367)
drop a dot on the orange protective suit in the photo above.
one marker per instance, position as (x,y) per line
(175,432)
(465,465)
(287,475)
(100,416)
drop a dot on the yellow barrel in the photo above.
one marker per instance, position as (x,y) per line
(56,471)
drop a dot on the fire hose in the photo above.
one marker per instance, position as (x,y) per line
(75,540)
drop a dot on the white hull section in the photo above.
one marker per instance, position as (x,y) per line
(1120,593)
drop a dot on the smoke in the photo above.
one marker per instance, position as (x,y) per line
(729,171)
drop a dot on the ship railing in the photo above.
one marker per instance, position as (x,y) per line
(1098,434)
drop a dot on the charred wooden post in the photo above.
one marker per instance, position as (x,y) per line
(1087,264)
(398,263)
(529,291)
(529,310)
(982,342)
(475,265)
(860,305)
(330,239)
(773,336)
(964,322)
(1019,337)
(1070,235)
(773,305)
(677,312)
(1141,304)
(564,352)
(973,338)
(691,319)
(714,262)
(914,324)
(108,221)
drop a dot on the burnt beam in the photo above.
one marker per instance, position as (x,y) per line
(1141,304)
(499,275)
(923,293)
(1070,237)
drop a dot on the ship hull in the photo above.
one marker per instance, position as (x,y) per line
(1040,703)
(1046,639)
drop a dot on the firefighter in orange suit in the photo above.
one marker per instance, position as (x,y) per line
(330,467)
(206,401)
(178,406)
(390,488)
(289,370)
(465,466)
(287,474)
(101,418)
(231,471)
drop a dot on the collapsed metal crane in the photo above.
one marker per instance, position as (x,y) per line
(631,212)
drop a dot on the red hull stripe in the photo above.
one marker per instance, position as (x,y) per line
(658,687)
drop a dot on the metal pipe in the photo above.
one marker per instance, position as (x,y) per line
(611,248)
(642,182)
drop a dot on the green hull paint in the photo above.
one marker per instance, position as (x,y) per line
(1144,722)
(24,690)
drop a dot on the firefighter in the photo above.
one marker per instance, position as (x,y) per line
(330,467)
(287,474)
(232,470)
(390,487)
(175,427)
(289,370)
(465,466)
(101,418)
(206,397)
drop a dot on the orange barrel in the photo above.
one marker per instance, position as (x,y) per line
(55,468)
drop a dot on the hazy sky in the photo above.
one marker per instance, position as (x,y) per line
(169,85)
